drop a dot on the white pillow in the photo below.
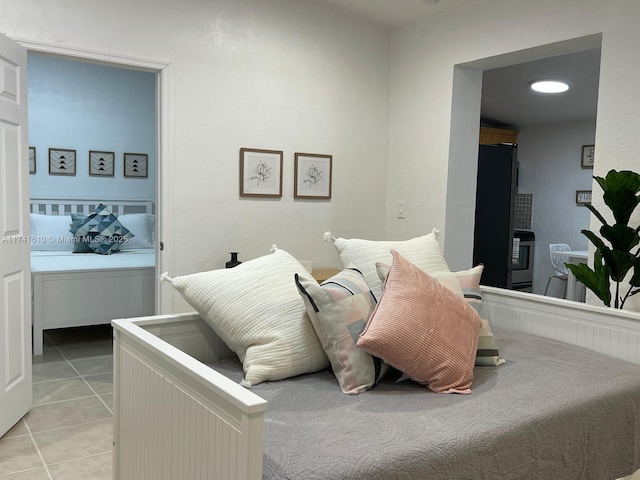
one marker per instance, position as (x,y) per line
(51,232)
(142,225)
(424,252)
(255,308)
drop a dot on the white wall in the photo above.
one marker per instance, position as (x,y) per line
(291,75)
(82,107)
(550,168)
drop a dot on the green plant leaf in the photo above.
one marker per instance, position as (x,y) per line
(621,193)
(619,264)
(597,241)
(595,280)
(621,237)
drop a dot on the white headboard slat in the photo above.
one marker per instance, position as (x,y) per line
(57,206)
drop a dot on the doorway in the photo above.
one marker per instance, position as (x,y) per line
(83,119)
(164,142)
(466,112)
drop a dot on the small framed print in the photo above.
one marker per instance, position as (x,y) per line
(588,156)
(136,165)
(32,160)
(260,173)
(62,161)
(312,176)
(583,197)
(101,163)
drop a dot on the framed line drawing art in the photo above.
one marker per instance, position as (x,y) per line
(260,173)
(101,164)
(136,165)
(588,156)
(62,161)
(32,160)
(312,176)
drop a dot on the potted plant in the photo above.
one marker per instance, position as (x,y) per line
(613,261)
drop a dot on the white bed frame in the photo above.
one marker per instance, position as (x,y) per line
(177,418)
(68,298)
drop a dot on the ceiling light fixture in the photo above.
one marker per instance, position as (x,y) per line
(549,86)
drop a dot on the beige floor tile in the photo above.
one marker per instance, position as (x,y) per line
(52,371)
(102,383)
(17,430)
(49,355)
(64,414)
(75,442)
(108,399)
(59,390)
(18,453)
(87,350)
(93,366)
(99,467)
(32,474)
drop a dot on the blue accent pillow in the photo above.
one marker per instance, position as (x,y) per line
(80,243)
(102,231)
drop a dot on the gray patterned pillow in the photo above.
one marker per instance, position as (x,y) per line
(102,230)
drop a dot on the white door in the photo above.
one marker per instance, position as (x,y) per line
(15,276)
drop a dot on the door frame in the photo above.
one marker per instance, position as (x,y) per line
(164,141)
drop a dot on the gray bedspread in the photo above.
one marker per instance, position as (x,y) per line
(554,411)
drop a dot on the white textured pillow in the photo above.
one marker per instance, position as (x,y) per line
(140,224)
(424,252)
(255,308)
(51,232)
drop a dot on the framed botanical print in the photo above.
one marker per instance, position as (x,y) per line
(260,173)
(312,174)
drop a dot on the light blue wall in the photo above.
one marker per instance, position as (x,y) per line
(83,106)
(550,168)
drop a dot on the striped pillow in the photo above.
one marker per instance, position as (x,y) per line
(339,309)
(423,329)
(466,283)
(469,281)
(422,251)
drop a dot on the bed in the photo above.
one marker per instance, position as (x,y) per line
(565,405)
(75,289)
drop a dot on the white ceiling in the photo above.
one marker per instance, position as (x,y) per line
(506,97)
(397,13)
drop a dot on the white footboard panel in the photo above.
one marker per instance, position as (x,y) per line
(176,418)
(63,300)
(606,330)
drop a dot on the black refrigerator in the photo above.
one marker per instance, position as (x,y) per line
(495,210)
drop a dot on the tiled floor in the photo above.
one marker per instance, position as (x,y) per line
(67,435)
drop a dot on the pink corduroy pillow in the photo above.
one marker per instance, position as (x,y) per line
(423,329)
